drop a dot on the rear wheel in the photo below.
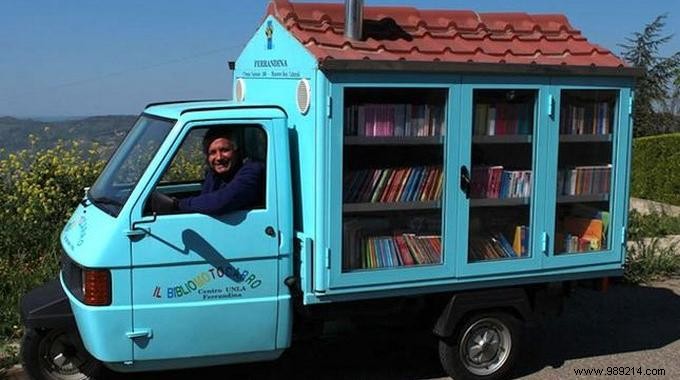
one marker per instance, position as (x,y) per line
(484,347)
(57,354)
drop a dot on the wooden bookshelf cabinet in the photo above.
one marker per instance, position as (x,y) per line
(393,168)
(509,195)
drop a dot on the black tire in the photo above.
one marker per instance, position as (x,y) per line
(57,354)
(484,347)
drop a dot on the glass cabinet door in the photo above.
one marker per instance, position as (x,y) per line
(393,156)
(584,172)
(501,175)
(391,185)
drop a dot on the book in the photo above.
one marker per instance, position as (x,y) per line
(421,183)
(505,245)
(429,183)
(410,243)
(398,197)
(491,125)
(582,227)
(517,241)
(413,183)
(404,252)
(481,119)
(384,178)
(393,184)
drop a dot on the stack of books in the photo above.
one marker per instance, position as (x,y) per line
(586,119)
(492,182)
(494,245)
(404,184)
(503,119)
(581,235)
(392,120)
(584,180)
(400,250)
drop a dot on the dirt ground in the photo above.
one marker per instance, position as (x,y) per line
(628,326)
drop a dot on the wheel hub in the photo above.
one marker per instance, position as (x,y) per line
(485,346)
(60,358)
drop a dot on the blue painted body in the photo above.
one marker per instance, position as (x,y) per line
(238,308)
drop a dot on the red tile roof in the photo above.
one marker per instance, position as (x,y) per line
(410,34)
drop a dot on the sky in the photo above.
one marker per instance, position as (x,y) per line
(94,57)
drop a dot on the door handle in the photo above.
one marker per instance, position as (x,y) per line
(465,181)
(136,233)
(270,231)
(140,333)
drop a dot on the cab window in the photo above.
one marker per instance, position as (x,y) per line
(209,160)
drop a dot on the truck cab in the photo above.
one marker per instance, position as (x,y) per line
(146,288)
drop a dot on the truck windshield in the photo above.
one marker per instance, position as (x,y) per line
(121,174)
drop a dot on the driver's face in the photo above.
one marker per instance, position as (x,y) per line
(221,155)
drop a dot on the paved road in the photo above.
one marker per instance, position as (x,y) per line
(628,326)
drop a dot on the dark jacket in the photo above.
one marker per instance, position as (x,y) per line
(241,189)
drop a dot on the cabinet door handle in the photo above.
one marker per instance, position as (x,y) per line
(465,181)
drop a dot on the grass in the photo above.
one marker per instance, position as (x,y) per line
(652,259)
(9,355)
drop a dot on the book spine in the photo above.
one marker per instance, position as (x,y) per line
(491,127)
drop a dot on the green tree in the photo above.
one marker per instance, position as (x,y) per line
(652,88)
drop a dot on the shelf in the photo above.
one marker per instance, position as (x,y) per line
(393,206)
(583,198)
(497,259)
(585,138)
(499,202)
(394,140)
(502,139)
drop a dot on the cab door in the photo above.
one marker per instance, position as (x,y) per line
(209,285)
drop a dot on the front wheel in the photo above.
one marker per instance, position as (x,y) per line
(57,354)
(484,347)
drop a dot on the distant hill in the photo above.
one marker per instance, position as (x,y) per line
(108,131)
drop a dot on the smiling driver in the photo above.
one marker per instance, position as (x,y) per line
(231,183)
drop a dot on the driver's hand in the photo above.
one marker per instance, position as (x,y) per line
(162,204)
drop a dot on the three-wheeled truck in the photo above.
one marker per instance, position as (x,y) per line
(478,163)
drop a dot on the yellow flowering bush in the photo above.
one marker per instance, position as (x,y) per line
(188,164)
(39,191)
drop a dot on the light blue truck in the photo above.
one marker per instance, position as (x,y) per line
(480,182)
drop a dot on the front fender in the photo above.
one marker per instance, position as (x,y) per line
(47,307)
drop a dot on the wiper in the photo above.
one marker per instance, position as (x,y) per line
(85,201)
(105,201)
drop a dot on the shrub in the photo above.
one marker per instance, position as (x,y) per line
(656,168)
(40,189)
(652,225)
(9,355)
(651,259)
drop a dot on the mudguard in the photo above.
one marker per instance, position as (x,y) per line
(47,306)
(515,299)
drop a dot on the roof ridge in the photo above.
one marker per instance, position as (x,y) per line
(409,33)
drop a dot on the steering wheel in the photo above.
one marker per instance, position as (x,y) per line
(161,203)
